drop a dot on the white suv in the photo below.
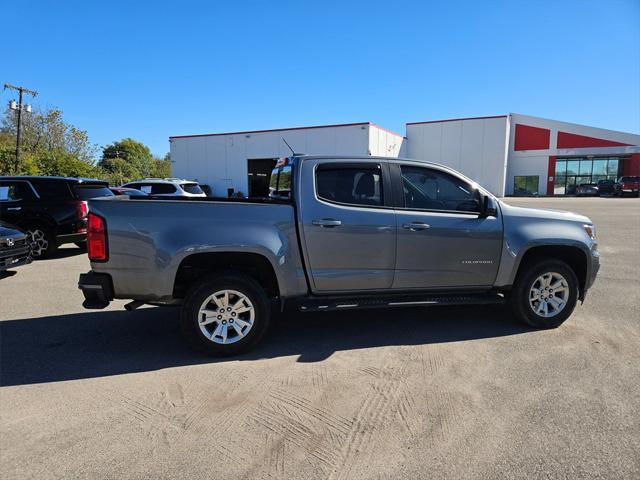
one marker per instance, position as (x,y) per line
(167,187)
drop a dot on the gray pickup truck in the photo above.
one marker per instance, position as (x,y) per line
(336,233)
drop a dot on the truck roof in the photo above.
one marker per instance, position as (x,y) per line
(368,157)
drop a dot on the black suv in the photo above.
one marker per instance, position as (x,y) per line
(52,210)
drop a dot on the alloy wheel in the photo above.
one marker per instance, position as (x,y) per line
(38,241)
(549,294)
(226,317)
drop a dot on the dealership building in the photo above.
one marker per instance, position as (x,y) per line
(508,154)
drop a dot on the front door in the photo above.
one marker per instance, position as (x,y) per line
(442,241)
(348,225)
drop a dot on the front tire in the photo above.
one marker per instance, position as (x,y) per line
(545,293)
(225,314)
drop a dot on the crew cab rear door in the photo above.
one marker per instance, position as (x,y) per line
(347,224)
(443,241)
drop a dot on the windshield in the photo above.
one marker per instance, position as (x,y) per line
(85,192)
(280,182)
(191,188)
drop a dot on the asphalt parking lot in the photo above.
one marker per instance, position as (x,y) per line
(417,393)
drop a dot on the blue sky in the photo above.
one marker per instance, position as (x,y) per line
(149,70)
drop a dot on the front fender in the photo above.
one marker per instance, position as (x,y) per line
(525,229)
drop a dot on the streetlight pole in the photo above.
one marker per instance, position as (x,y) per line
(18,107)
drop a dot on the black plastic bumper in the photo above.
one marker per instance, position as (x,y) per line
(97,289)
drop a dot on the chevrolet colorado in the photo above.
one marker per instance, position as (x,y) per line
(336,233)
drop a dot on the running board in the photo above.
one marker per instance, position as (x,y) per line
(324,304)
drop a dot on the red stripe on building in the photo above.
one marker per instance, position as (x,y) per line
(531,138)
(551,174)
(631,165)
(573,140)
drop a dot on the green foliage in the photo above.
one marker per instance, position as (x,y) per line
(49,146)
(127,158)
(161,167)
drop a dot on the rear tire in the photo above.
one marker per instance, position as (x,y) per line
(225,314)
(545,293)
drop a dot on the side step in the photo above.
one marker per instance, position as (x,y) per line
(323,304)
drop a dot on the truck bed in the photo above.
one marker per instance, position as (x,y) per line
(148,238)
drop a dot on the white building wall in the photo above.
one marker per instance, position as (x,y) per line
(481,148)
(220,160)
(536,162)
(475,147)
(384,143)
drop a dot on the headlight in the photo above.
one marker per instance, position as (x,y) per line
(590,229)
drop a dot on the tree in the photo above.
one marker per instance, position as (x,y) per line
(63,163)
(162,166)
(128,159)
(45,140)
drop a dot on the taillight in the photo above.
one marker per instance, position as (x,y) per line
(82,209)
(97,239)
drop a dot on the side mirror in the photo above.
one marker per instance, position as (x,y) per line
(488,207)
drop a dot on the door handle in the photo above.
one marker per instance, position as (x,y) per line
(415,226)
(327,222)
(14,208)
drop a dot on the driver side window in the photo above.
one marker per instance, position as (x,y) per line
(430,189)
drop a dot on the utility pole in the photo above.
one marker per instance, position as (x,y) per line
(18,107)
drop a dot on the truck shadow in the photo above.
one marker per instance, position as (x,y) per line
(97,344)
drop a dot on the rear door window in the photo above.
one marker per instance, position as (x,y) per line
(350,185)
(85,192)
(161,188)
(53,190)
(193,188)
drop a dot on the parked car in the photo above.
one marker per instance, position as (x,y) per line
(337,233)
(167,187)
(606,187)
(15,249)
(52,210)
(587,190)
(628,185)
(127,191)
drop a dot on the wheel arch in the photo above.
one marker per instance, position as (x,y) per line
(198,265)
(575,256)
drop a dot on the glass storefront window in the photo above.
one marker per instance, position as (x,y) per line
(559,186)
(571,172)
(600,166)
(581,180)
(585,167)
(573,167)
(525,185)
